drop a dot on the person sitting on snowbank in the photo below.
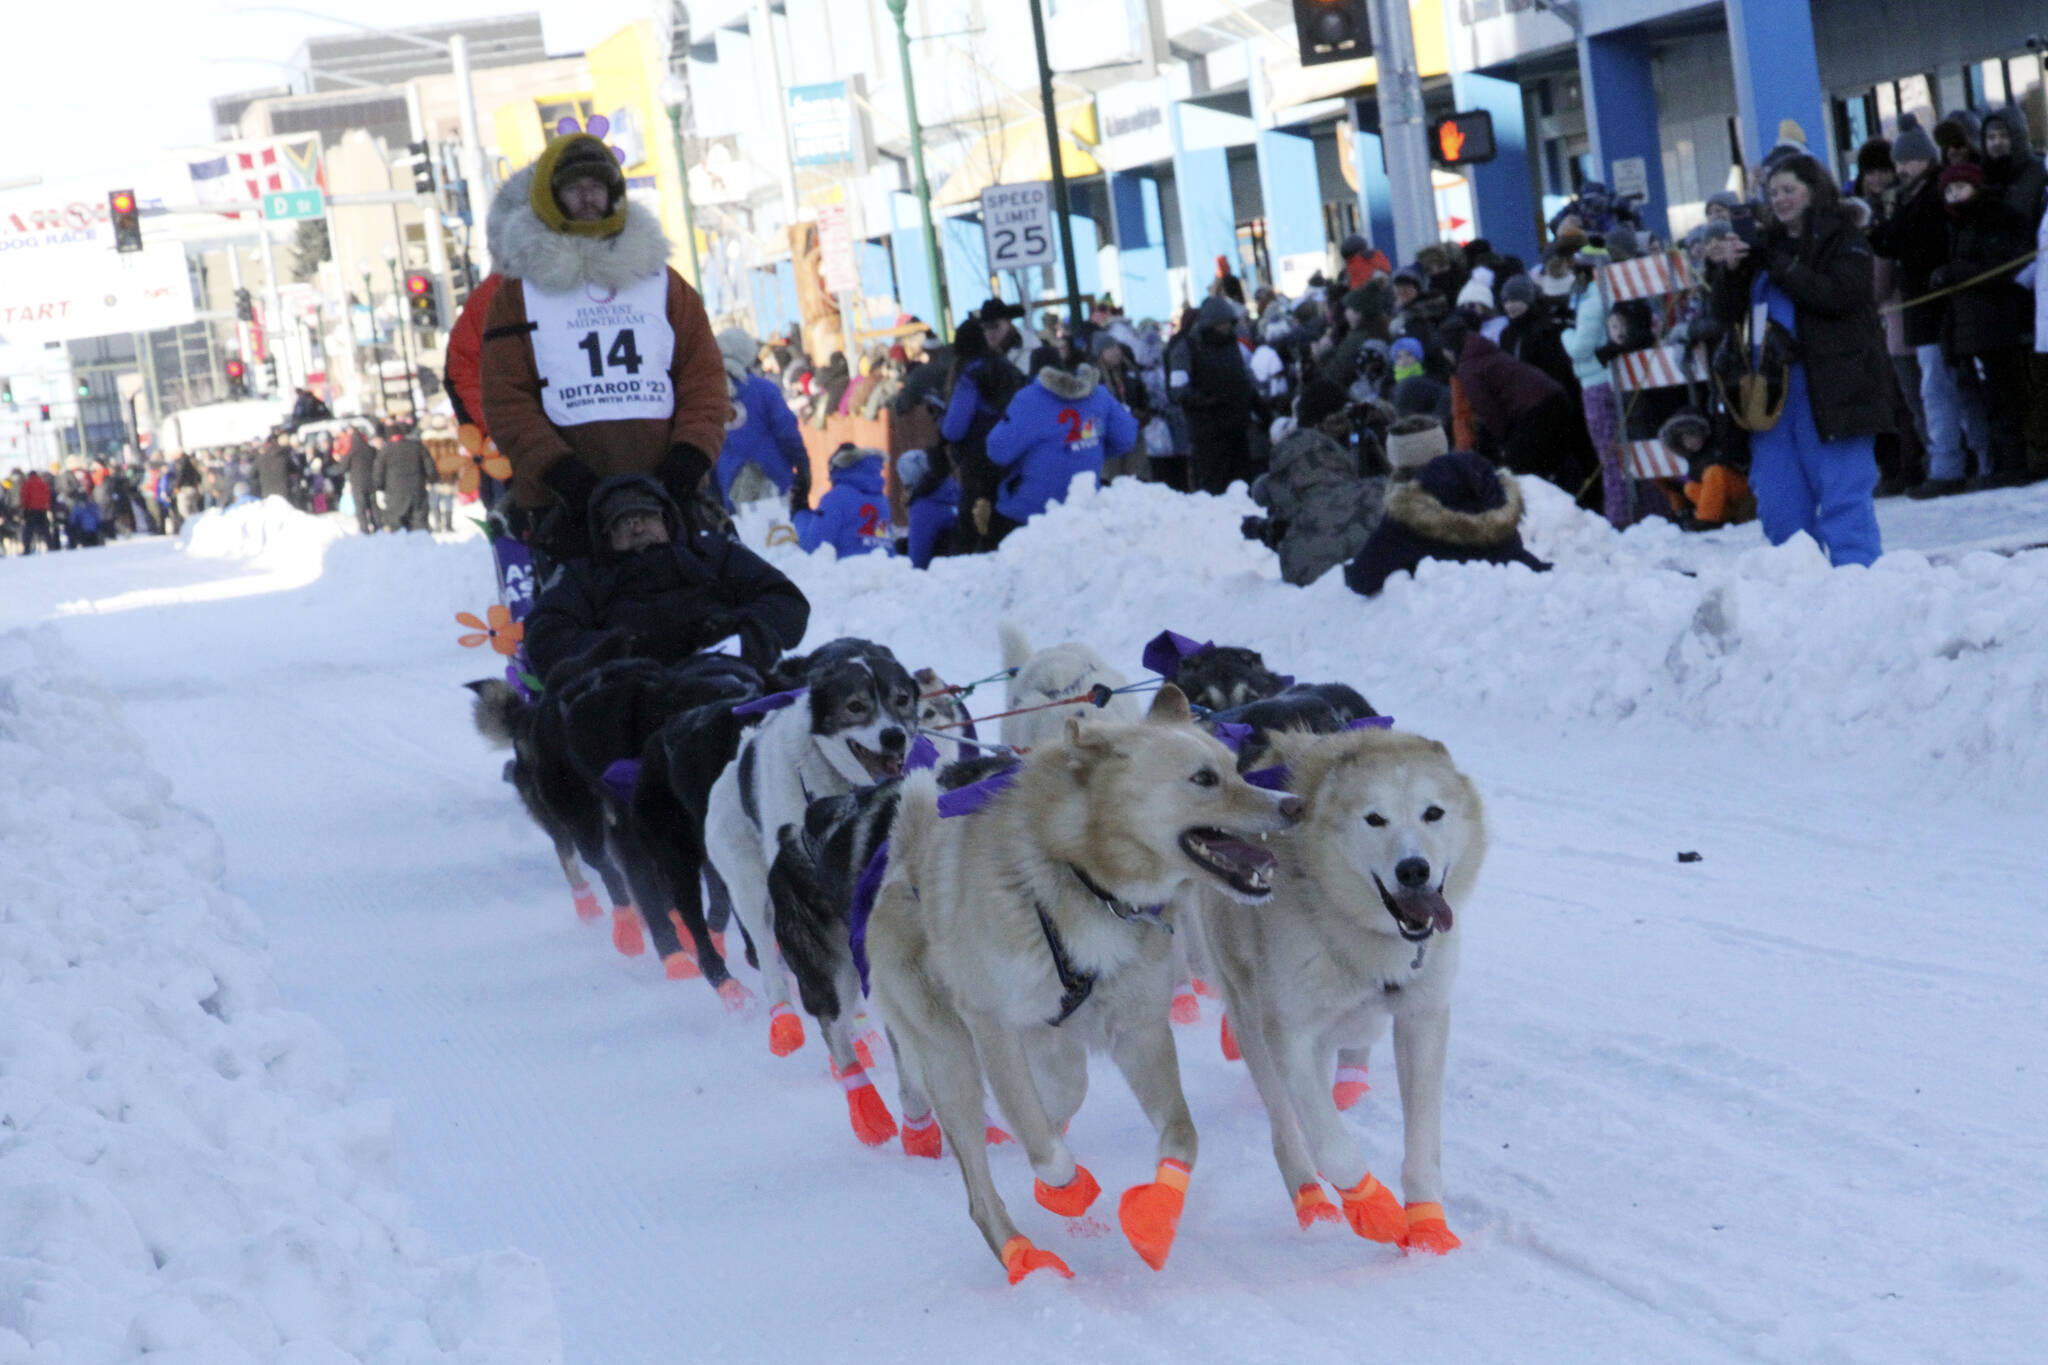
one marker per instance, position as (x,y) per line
(934,499)
(1057,426)
(853,516)
(1323,507)
(673,588)
(1457,507)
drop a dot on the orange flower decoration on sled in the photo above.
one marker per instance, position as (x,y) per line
(474,455)
(500,629)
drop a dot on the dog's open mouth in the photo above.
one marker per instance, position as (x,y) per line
(1418,913)
(1245,868)
(879,766)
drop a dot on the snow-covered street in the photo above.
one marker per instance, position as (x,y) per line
(1784,1103)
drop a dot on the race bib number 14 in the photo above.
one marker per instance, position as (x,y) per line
(603,354)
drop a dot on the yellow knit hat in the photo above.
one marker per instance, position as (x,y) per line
(576,147)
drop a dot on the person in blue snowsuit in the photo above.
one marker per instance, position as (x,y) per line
(979,393)
(934,499)
(1057,426)
(1815,469)
(762,432)
(853,516)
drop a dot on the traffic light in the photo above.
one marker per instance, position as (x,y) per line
(270,374)
(238,379)
(127,221)
(1462,139)
(7,392)
(1331,30)
(245,307)
(422,167)
(419,296)
(84,387)
(46,412)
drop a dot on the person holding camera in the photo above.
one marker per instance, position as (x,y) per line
(1813,387)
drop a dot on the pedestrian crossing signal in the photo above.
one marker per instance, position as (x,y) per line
(1463,139)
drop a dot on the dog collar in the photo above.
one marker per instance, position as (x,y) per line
(1122,909)
(1075,984)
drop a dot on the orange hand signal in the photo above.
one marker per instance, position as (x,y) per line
(1452,139)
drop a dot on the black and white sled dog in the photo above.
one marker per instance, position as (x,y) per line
(853,726)
(1360,929)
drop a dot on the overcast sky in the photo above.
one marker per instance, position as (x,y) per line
(92,87)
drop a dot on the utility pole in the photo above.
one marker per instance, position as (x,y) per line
(675,93)
(932,260)
(1059,170)
(273,307)
(778,111)
(476,180)
(437,248)
(1404,134)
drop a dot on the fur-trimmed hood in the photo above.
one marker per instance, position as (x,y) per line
(1071,386)
(1449,503)
(524,248)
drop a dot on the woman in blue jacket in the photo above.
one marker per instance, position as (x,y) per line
(1058,426)
(982,384)
(762,431)
(853,517)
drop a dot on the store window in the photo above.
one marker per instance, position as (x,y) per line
(2010,80)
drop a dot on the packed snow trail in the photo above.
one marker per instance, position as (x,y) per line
(1780,1104)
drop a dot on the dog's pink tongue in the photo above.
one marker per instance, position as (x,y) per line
(1428,906)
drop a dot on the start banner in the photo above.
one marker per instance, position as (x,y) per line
(62,280)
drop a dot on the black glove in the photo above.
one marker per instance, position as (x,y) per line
(681,471)
(758,646)
(563,533)
(572,481)
(800,489)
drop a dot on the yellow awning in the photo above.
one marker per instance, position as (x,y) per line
(1016,154)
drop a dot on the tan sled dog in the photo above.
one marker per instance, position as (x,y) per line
(1360,930)
(1012,940)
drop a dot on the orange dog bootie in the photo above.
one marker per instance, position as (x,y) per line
(785,1030)
(1229,1040)
(626,936)
(1150,1214)
(872,1123)
(1374,1213)
(1312,1206)
(735,996)
(1186,1009)
(921,1137)
(586,902)
(681,965)
(1072,1199)
(1427,1230)
(1351,1086)
(1020,1258)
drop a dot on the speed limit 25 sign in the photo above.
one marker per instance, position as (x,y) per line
(1016,224)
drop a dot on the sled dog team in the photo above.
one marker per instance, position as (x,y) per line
(1007,908)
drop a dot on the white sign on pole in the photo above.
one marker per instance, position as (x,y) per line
(1016,225)
(835,247)
(1631,178)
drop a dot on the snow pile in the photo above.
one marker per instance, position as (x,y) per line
(1915,665)
(266,530)
(182,1171)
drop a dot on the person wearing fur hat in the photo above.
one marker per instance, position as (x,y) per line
(1323,504)
(598,359)
(1455,507)
(763,454)
(1984,334)
(853,516)
(1058,426)
(1813,464)
(1956,136)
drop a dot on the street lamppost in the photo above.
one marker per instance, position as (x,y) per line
(675,94)
(403,325)
(924,190)
(370,308)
